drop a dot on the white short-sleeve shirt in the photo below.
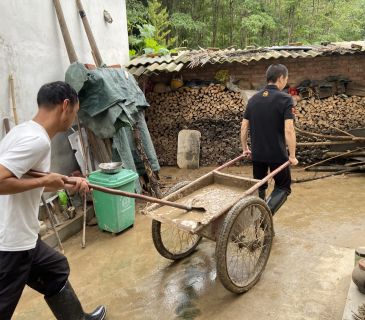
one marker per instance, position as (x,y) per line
(25,147)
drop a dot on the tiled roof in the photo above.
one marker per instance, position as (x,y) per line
(195,58)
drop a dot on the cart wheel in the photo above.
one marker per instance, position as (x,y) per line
(173,243)
(244,244)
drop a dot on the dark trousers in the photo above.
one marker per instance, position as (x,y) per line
(42,268)
(282,179)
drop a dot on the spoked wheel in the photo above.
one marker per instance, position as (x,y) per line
(171,242)
(244,244)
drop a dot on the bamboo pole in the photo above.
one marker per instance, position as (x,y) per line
(89,34)
(325,143)
(326,136)
(12,95)
(349,170)
(65,33)
(331,158)
(342,131)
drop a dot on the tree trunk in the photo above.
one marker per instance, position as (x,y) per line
(215,18)
(231,22)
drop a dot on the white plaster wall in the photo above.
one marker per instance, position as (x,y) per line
(32,47)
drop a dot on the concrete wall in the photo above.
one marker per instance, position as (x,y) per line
(351,66)
(32,48)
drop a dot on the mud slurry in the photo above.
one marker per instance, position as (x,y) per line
(307,276)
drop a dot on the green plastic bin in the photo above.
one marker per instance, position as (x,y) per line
(114,213)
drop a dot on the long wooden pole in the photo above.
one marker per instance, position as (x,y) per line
(325,143)
(65,33)
(125,193)
(329,137)
(334,157)
(349,170)
(89,34)
(13,102)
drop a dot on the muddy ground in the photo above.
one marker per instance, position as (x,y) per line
(307,276)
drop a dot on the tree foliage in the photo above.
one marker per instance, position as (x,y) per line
(149,28)
(159,18)
(224,23)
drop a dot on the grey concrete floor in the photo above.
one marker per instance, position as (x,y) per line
(307,276)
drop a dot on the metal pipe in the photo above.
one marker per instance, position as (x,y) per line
(52,224)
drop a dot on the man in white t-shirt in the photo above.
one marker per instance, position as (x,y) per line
(24,258)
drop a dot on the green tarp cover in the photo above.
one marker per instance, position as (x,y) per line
(111,103)
(109,98)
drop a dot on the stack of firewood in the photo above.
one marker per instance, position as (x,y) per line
(338,111)
(332,116)
(214,111)
(217,113)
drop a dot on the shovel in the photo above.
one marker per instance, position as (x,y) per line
(38,174)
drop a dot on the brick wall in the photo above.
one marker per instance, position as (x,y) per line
(351,66)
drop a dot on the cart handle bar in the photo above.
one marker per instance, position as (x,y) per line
(261,182)
(227,164)
(34,173)
(266,179)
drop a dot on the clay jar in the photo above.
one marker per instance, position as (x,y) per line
(358,275)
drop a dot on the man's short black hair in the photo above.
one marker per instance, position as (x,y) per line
(54,93)
(275,71)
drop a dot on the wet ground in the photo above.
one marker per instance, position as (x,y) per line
(307,276)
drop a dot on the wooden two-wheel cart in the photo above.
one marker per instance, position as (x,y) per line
(235,218)
(220,207)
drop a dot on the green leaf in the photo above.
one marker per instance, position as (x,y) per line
(150,43)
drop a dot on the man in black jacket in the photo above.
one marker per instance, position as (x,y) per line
(270,118)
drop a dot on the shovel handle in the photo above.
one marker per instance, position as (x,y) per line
(119,192)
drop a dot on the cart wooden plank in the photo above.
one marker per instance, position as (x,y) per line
(217,193)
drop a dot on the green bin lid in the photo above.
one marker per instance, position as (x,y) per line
(112,180)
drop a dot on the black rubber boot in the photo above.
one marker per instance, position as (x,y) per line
(262,194)
(66,306)
(276,199)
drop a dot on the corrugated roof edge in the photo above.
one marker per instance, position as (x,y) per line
(198,58)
